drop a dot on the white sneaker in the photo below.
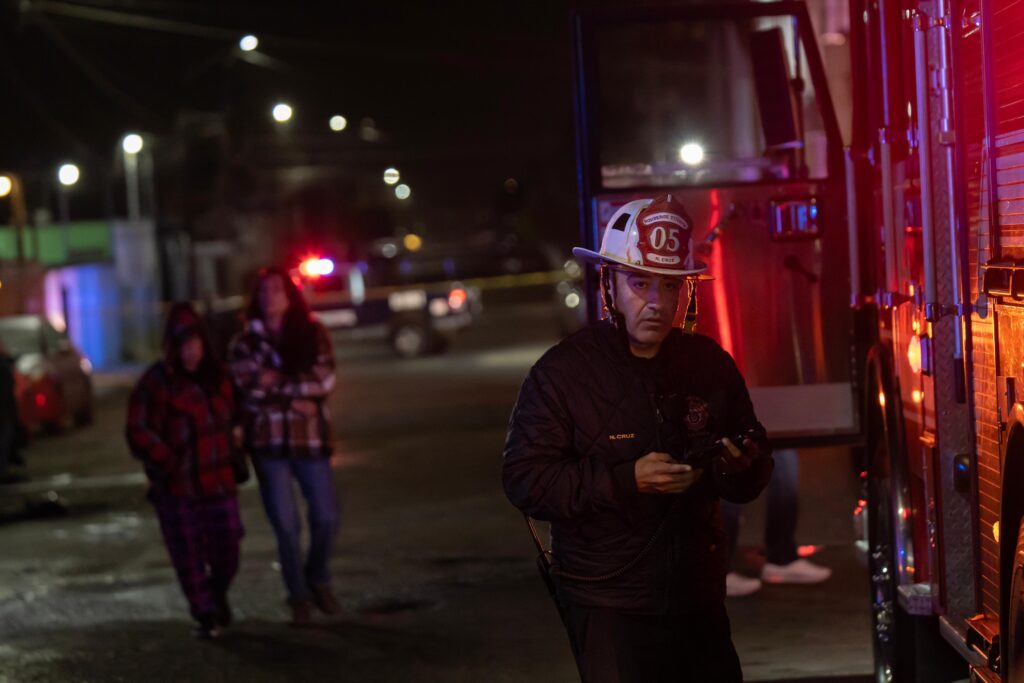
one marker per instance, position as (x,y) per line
(797,571)
(737,585)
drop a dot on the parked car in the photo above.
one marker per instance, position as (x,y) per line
(53,380)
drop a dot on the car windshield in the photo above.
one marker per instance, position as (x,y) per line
(20,336)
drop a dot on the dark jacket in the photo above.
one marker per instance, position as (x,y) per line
(586,412)
(182,433)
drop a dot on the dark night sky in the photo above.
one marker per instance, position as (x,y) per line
(474,94)
(428,75)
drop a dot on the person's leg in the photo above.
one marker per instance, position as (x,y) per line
(275,479)
(316,479)
(731,521)
(224,535)
(784,564)
(705,650)
(181,525)
(613,647)
(737,584)
(782,508)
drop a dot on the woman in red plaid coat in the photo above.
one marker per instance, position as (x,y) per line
(283,367)
(180,426)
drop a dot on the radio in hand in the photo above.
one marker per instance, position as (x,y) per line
(700,458)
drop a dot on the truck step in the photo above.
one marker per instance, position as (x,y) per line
(983,638)
(984,675)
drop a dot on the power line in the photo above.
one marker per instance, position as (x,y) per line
(184,28)
(139,21)
(122,98)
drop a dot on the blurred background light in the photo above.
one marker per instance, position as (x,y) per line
(248,43)
(68,174)
(282,112)
(413,242)
(132,143)
(691,154)
(391,176)
(403,191)
(338,123)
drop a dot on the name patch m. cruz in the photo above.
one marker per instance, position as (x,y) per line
(621,437)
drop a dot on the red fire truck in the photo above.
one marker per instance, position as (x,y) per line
(872,292)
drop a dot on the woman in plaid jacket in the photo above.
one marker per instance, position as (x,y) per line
(283,367)
(180,426)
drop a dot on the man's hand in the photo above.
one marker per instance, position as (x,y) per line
(659,473)
(736,459)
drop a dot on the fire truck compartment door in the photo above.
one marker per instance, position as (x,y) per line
(805,410)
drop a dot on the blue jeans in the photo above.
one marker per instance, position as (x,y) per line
(317,484)
(783,507)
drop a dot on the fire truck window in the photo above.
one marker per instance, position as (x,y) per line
(677,104)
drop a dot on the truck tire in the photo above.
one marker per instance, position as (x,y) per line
(1015,637)
(886,616)
(907,648)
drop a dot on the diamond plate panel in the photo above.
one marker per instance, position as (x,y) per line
(955,513)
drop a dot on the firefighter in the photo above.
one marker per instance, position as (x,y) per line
(597,444)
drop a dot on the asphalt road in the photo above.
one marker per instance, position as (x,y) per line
(433,567)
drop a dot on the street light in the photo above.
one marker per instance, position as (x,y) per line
(391,176)
(132,143)
(402,191)
(282,112)
(248,43)
(10,186)
(338,123)
(68,175)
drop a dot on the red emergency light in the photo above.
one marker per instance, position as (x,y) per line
(316,267)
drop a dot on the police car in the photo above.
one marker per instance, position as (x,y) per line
(360,302)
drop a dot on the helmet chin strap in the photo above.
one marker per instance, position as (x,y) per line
(609,300)
(690,321)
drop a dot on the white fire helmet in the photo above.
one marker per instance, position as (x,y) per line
(650,235)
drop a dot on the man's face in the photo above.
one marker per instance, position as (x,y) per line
(648,303)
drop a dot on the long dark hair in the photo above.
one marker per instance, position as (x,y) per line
(183,322)
(297,343)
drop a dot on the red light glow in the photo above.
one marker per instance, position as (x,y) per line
(316,267)
(40,400)
(457,299)
(718,285)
